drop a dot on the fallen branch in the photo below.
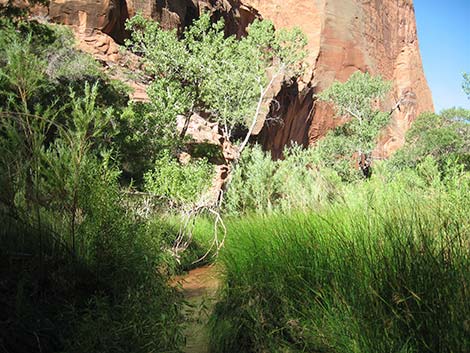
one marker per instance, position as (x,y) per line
(185,233)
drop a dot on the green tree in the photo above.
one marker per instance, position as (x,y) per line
(445,137)
(466,84)
(209,73)
(356,100)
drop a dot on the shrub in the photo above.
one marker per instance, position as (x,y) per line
(253,186)
(142,136)
(106,298)
(39,65)
(22,70)
(132,302)
(90,264)
(296,182)
(179,184)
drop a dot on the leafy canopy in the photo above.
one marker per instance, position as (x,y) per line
(357,100)
(207,72)
(445,137)
(466,84)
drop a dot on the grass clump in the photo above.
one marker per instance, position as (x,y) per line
(384,270)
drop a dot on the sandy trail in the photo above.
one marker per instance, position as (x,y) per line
(199,288)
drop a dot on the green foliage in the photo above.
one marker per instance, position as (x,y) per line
(357,100)
(180,184)
(22,71)
(38,65)
(253,186)
(356,97)
(52,45)
(86,277)
(65,163)
(456,114)
(109,298)
(383,269)
(142,135)
(376,266)
(466,84)
(66,64)
(335,151)
(205,71)
(445,137)
(135,307)
(263,185)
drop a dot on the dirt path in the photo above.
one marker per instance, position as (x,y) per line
(199,288)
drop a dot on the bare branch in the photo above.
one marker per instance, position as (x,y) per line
(258,108)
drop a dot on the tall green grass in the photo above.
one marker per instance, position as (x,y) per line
(385,270)
(113,298)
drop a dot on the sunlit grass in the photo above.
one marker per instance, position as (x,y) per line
(386,270)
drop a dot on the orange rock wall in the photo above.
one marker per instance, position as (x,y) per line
(377,36)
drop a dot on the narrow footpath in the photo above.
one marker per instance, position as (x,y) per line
(199,288)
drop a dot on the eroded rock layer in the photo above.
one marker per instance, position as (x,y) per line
(109,16)
(377,36)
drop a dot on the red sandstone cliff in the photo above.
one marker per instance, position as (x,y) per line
(378,36)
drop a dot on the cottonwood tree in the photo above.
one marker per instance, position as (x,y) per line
(445,137)
(204,71)
(220,77)
(356,100)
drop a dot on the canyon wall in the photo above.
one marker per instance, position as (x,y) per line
(377,36)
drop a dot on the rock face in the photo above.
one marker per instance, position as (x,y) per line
(377,36)
(109,16)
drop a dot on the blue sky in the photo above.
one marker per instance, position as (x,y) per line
(444,38)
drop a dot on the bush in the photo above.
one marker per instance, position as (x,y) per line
(142,137)
(86,279)
(107,298)
(263,185)
(132,302)
(176,183)
(39,65)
